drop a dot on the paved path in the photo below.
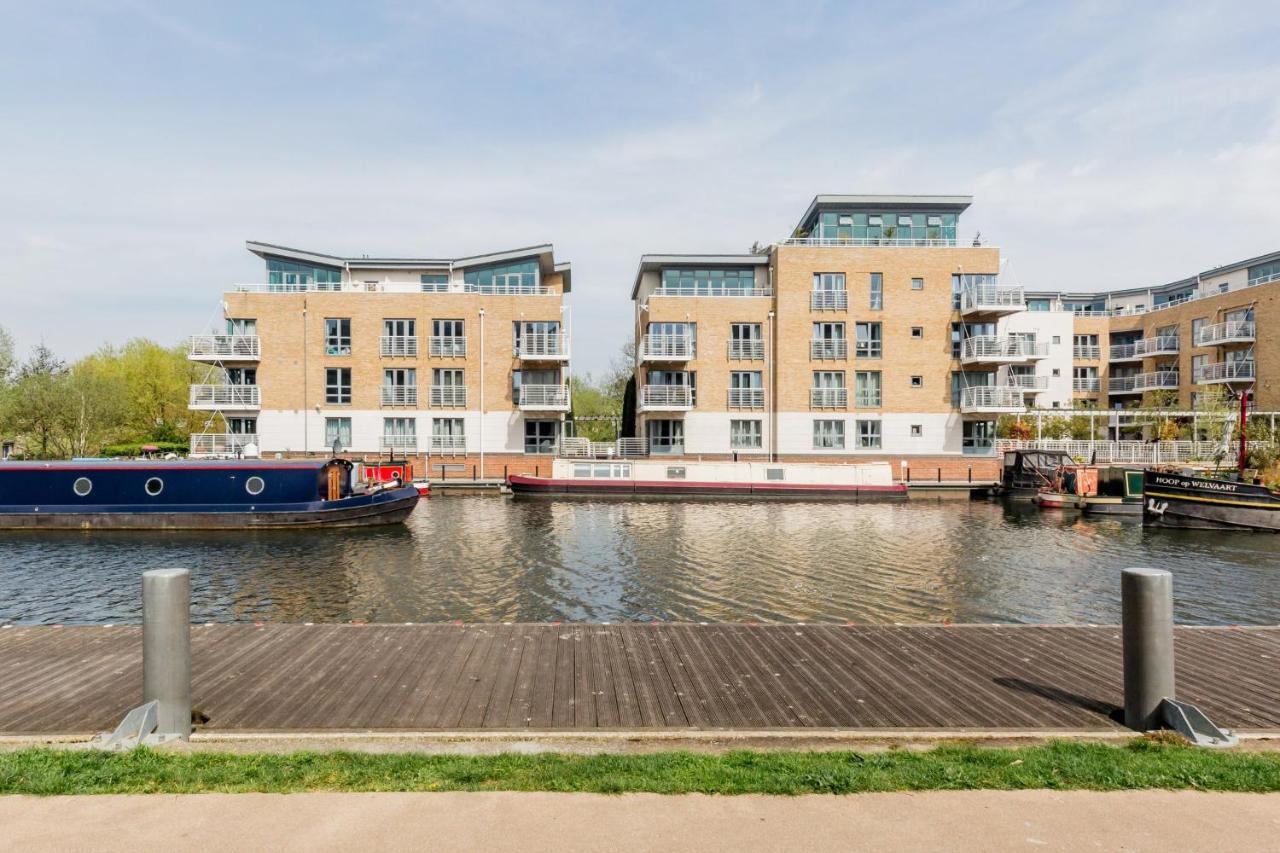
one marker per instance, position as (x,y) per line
(630,677)
(1157,821)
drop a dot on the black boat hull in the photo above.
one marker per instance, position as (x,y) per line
(1192,503)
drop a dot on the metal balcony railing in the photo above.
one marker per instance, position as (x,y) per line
(1086,383)
(221,443)
(399,395)
(224,347)
(829,300)
(1027,383)
(448,396)
(550,346)
(828,398)
(1226,371)
(746,350)
(666,397)
(406,443)
(666,347)
(992,298)
(746,398)
(1231,332)
(1086,351)
(828,348)
(1001,348)
(992,398)
(225,397)
(448,444)
(405,346)
(543,396)
(447,347)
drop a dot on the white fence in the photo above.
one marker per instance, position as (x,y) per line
(1123,452)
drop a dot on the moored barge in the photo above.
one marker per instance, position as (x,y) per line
(1199,503)
(860,483)
(196,495)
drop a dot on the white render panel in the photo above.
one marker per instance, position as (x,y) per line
(940,433)
(1047,325)
(298,431)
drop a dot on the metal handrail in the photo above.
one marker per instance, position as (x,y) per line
(992,397)
(400,442)
(828,398)
(667,347)
(1086,351)
(399,345)
(746,398)
(228,396)
(440,346)
(543,395)
(746,350)
(446,396)
(399,395)
(1003,347)
(450,444)
(224,346)
(900,242)
(992,296)
(1226,371)
(828,300)
(1086,383)
(828,348)
(709,290)
(221,443)
(680,396)
(1232,331)
(543,345)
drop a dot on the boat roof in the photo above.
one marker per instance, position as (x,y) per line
(168,464)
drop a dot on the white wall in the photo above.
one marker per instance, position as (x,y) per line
(282,431)
(1047,325)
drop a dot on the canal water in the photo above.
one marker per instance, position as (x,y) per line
(492,560)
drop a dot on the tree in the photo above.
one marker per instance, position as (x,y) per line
(6,357)
(97,398)
(36,405)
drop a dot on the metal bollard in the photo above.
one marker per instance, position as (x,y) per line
(166,648)
(1146,604)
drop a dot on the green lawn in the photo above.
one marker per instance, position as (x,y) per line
(1062,765)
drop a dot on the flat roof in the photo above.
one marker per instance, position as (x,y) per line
(657,262)
(824,202)
(544,252)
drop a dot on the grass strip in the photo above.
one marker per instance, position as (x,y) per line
(1058,765)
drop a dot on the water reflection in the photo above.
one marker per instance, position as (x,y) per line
(485,559)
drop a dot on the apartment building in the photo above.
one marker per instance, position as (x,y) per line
(450,361)
(873,332)
(1175,344)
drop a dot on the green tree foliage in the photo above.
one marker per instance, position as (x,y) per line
(598,405)
(7,362)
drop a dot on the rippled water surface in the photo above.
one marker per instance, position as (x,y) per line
(489,559)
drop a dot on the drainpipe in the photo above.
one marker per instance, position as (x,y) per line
(771,371)
(306,418)
(482,352)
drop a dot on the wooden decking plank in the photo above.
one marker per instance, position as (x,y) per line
(605,683)
(562,714)
(924,707)
(869,706)
(756,676)
(520,706)
(695,706)
(584,700)
(428,714)
(475,680)
(284,682)
(657,696)
(542,708)
(783,674)
(422,677)
(725,678)
(334,680)
(707,684)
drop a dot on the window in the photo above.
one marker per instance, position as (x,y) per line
(154,486)
(242,326)
(676,472)
(869,343)
(291,276)
(828,341)
(746,341)
(917,381)
(254,485)
(509,278)
(399,434)
(337,386)
(746,389)
(1057,371)
(709,282)
(82,486)
(917,284)
(828,435)
(538,338)
(917,332)
(877,291)
(746,434)
(448,338)
(541,436)
(337,430)
(775,473)
(435,282)
(868,435)
(1057,339)
(978,438)
(867,389)
(1196,326)
(602,470)
(828,291)
(337,336)
(542,385)
(917,430)
(828,282)
(1037,304)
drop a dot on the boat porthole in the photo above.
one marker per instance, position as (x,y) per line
(254,485)
(82,486)
(154,486)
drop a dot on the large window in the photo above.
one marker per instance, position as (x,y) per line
(541,436)
(873,227)
(978,438)
(960,281)
(337,430)
(746,435)
(509,278)
(1264,273)
(291,275)
(435,282)
(828,435)
(337,386)
(536,338)
(869,344)
(867,389)
(746,341)
(868,435)
(399,434)
(448,338)
(877,291)
(448,435)
(337,336)
(709,282)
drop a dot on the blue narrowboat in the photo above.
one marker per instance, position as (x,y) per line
(195,495)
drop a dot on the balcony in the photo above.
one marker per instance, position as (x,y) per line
(828,398)
(399,395)
(665,398)
(224,348)
(402,443)
(448,396)
(829,300)
(399,346)
(447,347)
(1086,384)
(992,399)
(991,300)
(1227,371)
(1029,384)
(1145,348)
(448,445)
(1000,349)
(666,348)
(934,242)
(746,350)
(709,289)
(1086,352)
(746,398)
(551,346)
(1136,384)
(828,348)
(1231,332)
(543,398)
(213,397)
(221,443)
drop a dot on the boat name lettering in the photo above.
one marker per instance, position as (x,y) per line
(1215,485)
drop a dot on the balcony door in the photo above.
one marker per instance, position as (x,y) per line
(665,436)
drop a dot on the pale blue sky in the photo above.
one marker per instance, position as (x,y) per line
(1106,144)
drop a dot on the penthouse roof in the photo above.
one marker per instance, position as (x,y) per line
(657,262)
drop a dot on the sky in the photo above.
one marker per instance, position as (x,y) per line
(141,143)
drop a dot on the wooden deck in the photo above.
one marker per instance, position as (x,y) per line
(630,676)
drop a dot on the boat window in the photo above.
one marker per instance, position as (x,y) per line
(254,485)
(581,470)
(82,486)
(773,473)
(675,473)
(154,486)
